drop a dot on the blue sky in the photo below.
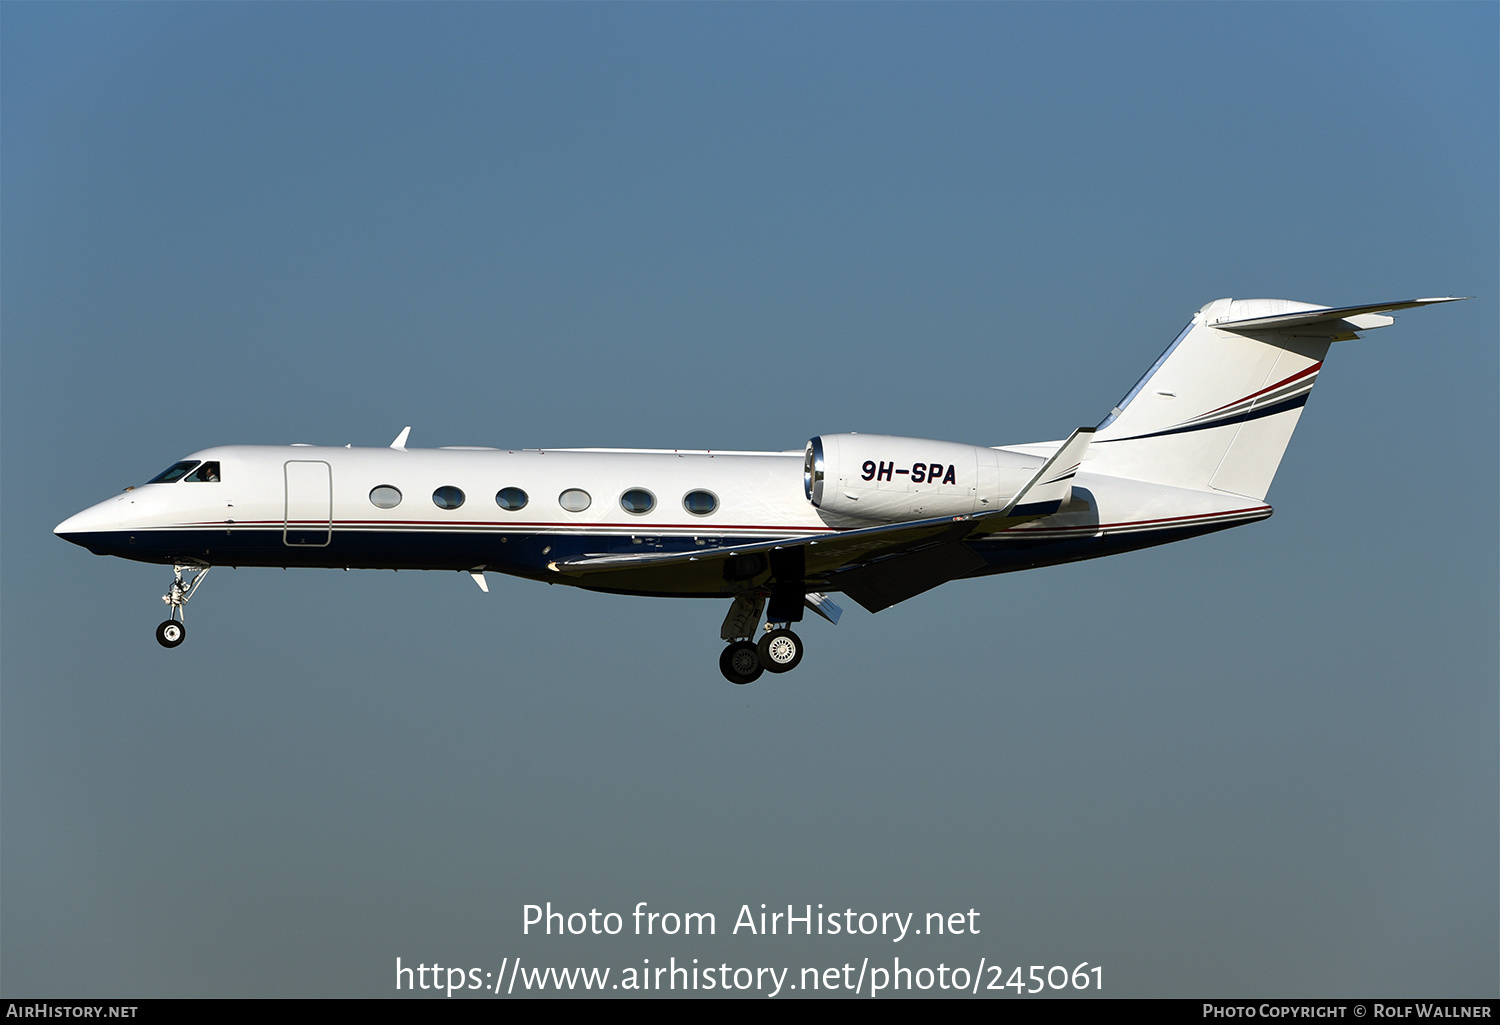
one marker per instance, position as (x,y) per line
(1264,761)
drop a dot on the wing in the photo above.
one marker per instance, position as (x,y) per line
(876,566)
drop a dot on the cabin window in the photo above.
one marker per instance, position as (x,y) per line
(385,497)
(700,503)
(574,500)
(174,473)
(638,501)
(208,473)
(447,497)
(511,499)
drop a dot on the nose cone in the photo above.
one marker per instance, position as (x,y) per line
(67,526)
(93,527)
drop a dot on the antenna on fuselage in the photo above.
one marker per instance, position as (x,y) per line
(400,443)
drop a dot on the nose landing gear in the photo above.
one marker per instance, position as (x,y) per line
(173,632)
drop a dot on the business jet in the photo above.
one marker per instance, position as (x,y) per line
(1191,449)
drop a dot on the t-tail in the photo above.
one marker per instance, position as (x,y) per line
(1216,411)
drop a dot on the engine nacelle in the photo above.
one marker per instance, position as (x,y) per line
(877,478)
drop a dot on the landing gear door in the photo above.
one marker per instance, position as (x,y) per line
(309,503)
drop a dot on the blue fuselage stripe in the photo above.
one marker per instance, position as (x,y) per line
(528,555)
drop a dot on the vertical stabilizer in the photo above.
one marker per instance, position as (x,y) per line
(1216,411)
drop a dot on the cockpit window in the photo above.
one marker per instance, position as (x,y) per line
(207,473)
(174,473)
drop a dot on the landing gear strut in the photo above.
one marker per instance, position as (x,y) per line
(172,632)
(739,662)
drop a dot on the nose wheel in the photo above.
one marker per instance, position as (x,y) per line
(173,632)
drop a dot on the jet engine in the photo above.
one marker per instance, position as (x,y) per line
(876,478)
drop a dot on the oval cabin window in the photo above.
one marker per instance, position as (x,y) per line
(638,501)
(385,497)
(700,503)
(511,499)
(447,497)
(574,500)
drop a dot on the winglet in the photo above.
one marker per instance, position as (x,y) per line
(478,575)
(1052,486)
(400,443)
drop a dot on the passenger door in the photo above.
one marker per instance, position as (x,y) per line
(309,503)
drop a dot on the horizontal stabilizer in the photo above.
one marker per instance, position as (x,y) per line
(1360,317)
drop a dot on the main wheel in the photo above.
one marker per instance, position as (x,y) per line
(780,651)
(170,634)
(740,663)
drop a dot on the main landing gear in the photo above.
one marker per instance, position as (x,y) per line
(779,651)
(173,632)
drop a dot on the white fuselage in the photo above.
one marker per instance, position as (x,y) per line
(313,506)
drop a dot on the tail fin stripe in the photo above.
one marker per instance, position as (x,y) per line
(1273,394)
(1311,371)
(1258,402)
(1282,406)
